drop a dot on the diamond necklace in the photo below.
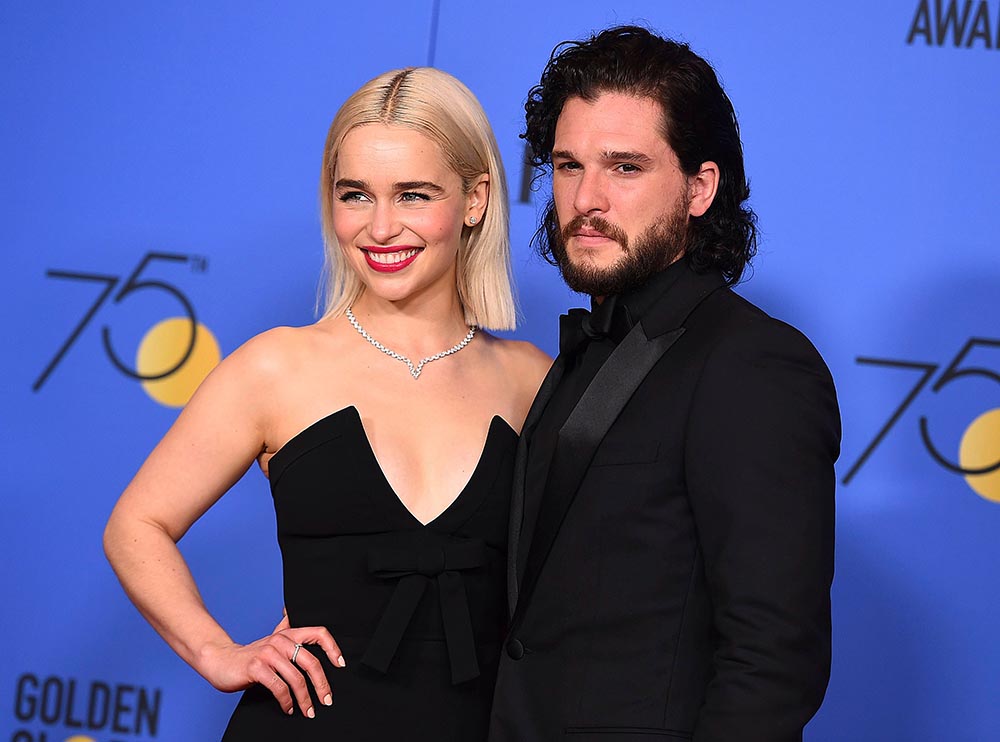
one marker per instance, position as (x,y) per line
(414,369)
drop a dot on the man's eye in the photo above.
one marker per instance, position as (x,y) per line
(628,167)
(414,196)
(568,166)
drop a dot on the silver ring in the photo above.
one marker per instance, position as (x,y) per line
(296,652)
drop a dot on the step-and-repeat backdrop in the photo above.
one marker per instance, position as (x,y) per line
(159,173)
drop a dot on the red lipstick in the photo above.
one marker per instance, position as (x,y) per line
(390,259)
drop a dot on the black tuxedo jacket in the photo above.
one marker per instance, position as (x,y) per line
(677,585)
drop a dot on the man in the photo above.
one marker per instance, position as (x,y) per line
(671,544)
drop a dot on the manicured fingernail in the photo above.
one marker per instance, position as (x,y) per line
(341,661)
(291,710)
(327,700)
(311,713)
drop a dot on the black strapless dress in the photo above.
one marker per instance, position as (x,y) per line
(418,610)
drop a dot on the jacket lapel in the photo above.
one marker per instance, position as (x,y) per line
(583,432)
(516,522)
(590,421)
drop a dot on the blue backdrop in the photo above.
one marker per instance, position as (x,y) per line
(161,161)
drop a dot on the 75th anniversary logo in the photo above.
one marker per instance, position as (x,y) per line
(978,458)
(174,355)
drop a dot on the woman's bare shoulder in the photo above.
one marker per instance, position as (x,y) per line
(519,368)
(522,360)
(279,351)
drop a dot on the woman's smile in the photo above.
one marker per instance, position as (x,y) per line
(390,259)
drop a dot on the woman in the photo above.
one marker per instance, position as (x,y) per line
(387,432)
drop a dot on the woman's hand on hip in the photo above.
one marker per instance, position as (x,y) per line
(280,663)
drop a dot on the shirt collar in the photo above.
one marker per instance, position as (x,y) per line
(618,314)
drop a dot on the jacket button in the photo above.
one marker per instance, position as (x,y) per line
(515,650)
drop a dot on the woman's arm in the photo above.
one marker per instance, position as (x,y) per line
(215,439)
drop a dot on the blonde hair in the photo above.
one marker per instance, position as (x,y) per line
(437,105)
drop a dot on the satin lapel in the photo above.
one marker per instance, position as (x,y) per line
(583,432)
(548,385)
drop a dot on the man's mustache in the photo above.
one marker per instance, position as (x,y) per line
(608,229)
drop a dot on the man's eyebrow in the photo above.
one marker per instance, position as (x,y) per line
(637,157)
(608,156)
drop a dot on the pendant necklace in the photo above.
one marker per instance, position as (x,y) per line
(414,369)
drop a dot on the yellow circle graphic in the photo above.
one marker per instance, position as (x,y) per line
(80,738)
(160,350)
(980,448)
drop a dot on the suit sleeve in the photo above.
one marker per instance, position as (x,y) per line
(763,437)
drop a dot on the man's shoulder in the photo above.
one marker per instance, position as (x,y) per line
(733,324)
(724,312)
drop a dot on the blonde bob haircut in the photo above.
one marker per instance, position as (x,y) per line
(437,105)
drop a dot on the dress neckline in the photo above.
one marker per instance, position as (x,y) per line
(332,426)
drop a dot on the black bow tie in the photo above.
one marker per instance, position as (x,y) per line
(576,330)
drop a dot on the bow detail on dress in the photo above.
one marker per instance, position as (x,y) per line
(415,566)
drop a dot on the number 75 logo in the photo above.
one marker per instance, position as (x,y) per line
(176,353)
(979,453)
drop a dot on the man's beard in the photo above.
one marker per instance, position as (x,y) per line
(657,247)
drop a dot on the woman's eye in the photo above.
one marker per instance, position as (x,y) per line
(413,196)
(352,196)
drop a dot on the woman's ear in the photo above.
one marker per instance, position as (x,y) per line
(476,200)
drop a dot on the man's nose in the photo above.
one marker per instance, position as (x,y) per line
(591,194)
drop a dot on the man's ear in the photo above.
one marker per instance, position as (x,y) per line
(702,187)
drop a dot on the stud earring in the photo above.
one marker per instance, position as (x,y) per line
(472,221)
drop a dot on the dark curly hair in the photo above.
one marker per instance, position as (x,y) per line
(699,124)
